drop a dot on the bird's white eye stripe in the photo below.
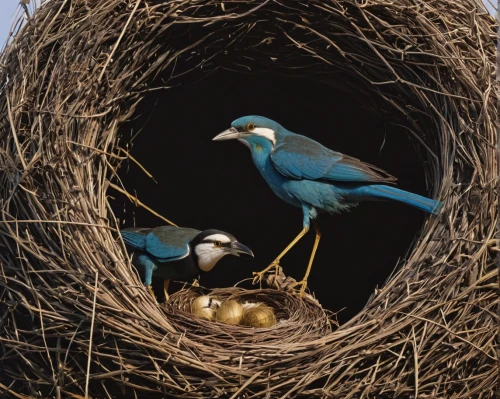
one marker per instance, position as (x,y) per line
(217,237)
(265,132)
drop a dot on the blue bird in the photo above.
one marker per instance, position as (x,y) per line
(178,253)
(304,173)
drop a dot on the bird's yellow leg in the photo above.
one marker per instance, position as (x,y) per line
(303,283)
(165,289)
(275,263)
(150,289)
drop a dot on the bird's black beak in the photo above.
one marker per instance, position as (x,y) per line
(238,249)
(229,134)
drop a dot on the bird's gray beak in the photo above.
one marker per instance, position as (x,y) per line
(229,134)
(238,248)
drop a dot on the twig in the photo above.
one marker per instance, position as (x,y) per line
(119,40)
(87,380)
(135,200)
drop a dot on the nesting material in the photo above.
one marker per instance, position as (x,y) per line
(250,305)
(259,316)
(230,312)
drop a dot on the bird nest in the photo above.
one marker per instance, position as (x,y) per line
(301,322)
(76,320)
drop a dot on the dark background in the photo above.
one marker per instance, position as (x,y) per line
(204,184)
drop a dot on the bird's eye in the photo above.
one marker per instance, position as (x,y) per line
(250,127)
(217,243)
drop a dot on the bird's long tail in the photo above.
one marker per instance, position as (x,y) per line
(392,193)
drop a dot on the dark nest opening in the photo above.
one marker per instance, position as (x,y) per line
(76,320)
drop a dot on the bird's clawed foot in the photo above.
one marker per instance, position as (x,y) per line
(303,286)
(258,276)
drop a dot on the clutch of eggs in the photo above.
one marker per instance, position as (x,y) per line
(233,313)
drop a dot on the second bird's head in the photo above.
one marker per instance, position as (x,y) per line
(253,131)
(211,245)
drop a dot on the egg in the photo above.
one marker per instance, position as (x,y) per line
(230,312)
(205,307)
(205,313)
(259,316)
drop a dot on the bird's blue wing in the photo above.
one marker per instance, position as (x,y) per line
(135,237)
(300,157)
(168,243)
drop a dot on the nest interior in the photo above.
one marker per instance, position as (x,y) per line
(215,184)
(75,319)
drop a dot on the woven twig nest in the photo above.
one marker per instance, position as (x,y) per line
(75,318)
(299,321)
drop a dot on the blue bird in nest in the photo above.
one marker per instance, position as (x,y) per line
(179,253)
(310,176)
